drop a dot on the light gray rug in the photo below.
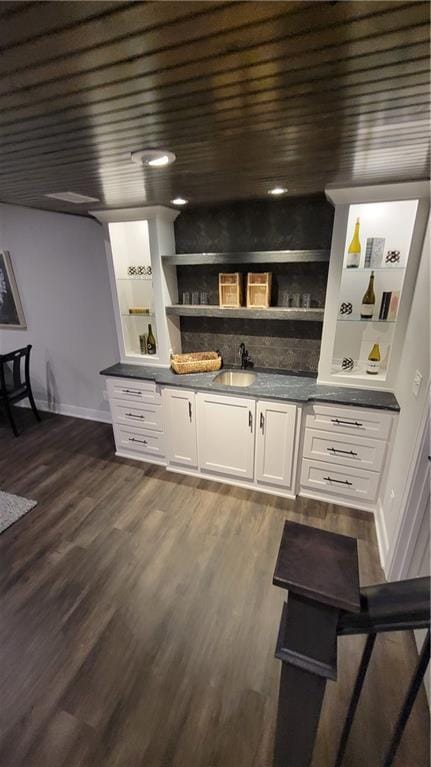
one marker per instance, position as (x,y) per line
(12,507)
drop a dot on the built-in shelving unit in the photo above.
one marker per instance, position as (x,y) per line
(134,240)
(272,313)
(250,257)
(392,221)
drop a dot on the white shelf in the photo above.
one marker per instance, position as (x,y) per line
(353,318)
(144,316)
(360,375)
(352,269)
(140,278)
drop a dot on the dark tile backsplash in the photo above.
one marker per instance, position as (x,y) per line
(286,224)
(278,344)
(289,223)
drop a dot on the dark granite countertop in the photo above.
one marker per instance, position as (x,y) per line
(294,388)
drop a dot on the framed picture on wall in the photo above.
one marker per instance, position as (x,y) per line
(11,312)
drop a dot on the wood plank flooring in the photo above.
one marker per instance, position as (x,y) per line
(138,620)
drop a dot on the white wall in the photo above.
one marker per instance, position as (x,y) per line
(60,267)
(415,356)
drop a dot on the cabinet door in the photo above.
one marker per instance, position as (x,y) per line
(226,428)
(276,443)
(181,427)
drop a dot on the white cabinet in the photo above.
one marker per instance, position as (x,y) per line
(181,426)
(343,454)
(276,443)
(226,427)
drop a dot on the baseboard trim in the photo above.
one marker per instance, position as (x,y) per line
(104,416)
(337,501)
(250,485)
(141,458)
(382,536)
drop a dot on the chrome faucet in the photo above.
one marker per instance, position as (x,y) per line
(244,356)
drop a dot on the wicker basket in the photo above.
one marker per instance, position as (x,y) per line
(196,362)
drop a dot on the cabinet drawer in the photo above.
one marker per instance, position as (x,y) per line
(150,443)
(343,481)
(137,415)
(362,452)
(133,390)
(350,421)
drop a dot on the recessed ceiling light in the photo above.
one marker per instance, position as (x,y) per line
(73,197)
(179,201)
(277,190)
(155,158)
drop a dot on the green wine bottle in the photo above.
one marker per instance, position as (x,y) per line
(151,341)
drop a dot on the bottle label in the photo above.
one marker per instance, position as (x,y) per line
(352,260)
(367,311)
(373,367)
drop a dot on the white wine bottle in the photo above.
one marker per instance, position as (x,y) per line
(368,300)
(354,249)
(373,365)
(151,341)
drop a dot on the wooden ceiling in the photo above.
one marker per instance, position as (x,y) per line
(247,94)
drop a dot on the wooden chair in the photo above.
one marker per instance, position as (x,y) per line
(15,382)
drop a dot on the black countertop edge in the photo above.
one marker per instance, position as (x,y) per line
(268,385)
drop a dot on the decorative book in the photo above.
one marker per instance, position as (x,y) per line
(374,252)
(384,305)
(393,305)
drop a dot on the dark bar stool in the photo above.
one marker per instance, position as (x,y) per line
(15,382)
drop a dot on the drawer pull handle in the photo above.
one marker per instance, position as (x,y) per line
(338,481)
(346,423)
(250,420)
(132,415)
(344,452)
(142,441)
(130,391)
(190,412)
(262,422)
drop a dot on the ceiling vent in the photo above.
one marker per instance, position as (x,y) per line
(72,197)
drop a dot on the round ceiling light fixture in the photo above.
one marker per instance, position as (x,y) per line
(179,201)
(277,191)
(153,158)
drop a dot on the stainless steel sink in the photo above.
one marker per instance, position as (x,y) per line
(232,378)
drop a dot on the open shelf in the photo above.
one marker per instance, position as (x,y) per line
(272,313)
(352,269)
(359,319)
(360,375)
(141,316)
(250,257)
(140,278)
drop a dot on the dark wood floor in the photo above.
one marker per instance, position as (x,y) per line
(138,620)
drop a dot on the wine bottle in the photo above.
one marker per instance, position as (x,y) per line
(354,249)
(368,300)
(373,366)
(151,341)
(143,343)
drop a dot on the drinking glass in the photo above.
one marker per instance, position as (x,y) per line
(195,297)
(203,297)
(186,297)
(306,300)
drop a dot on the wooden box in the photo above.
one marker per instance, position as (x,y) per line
(230,289)
(259,290)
